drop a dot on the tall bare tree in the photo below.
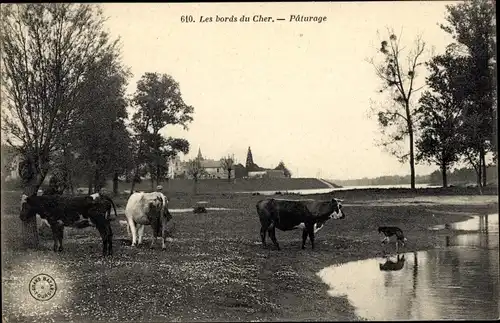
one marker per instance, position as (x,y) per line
(398,78)
(46,50)
(227,164)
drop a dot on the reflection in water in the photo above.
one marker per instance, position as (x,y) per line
(433,287)
(487,223)
(459,282)
(391,265)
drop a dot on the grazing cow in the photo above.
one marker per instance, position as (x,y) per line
(308,215)
(147,209)
(60,211)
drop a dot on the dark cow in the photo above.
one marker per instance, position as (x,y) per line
(60,211)
(308,215)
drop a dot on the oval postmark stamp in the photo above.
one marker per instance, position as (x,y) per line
(42,287)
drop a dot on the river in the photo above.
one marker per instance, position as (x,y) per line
(458,280)
(335,189)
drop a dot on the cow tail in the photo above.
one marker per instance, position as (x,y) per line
(112,203)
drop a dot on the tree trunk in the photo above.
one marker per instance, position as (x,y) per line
(444,175)
(90,184)
(71,186)
(158,175)
(412,155)
(479,171)
(136,172)
(483,163)
(29,227)
(115,183)
(96,180)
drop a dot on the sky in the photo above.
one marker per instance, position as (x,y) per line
(293,91)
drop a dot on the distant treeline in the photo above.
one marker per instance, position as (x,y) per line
(460,176)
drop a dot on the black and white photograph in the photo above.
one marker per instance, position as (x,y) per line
(249,161)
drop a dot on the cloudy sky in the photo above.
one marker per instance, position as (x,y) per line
(293,91)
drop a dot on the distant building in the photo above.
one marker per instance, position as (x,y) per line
(212,168)
(176,168)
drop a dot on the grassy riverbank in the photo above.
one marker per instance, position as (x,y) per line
(215,269)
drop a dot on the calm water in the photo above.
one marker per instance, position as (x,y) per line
(327,190)
(459,280)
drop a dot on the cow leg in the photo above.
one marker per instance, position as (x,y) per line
(265,223)
(54,236)
(102,231)
(310,231)
(164,232)
(304,238)
(57,235)
(272,234)
(109,234)
(263,231)
(140,233)
(133,231)
(155,226)
(60,234)
(163,238)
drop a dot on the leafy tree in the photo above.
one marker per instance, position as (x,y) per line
(227,164)
(159,101)
(281,166)
(102,106)
(472,26)
(46,51)
(121,153)
(440,110)
(397,120)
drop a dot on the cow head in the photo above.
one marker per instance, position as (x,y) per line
(336,209)
(329,209)
(28,208)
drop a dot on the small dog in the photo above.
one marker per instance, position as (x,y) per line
(391,231)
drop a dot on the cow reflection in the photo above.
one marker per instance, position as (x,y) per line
(391,265)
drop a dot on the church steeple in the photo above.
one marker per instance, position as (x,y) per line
(249,163)
(200,156)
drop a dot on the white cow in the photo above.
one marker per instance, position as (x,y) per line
(147,209)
